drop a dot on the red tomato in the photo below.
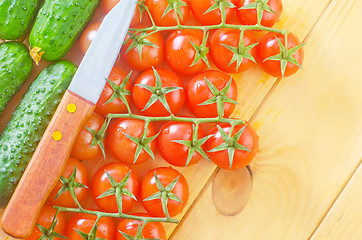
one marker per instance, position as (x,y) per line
(177,153)
(180,53)
(198,92)
(151,230)
(248,16)
(81,176)
(157,9)
(268,46)
(199,7)
(166,176)
(88,36)
(141,96)
(222,56)
(100,184)
(84,223)
(117,76)
(82,148)
(122,147)
(45,219)
(242,158)
(107,6)
(151,56)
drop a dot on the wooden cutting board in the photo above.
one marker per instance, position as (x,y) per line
(307,175)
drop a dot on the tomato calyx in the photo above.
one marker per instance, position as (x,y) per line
(139,40)
(138,236)
(260,6)
(92,234)
(201,51)
(221,5)
(49,233)
(99,136)
(119,91)
(176,6)
(164,193)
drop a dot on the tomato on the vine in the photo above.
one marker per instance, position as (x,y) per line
(207,12)
(174,151)
(158,9)
(198,92)
(271,52)
(166,176)
(271,11)
(150,231)
(45,219)
(107,6)
(244,145)
(81,176)
(121,139)
(88,36)
(226,53)
(82,148)
(187,51)
(84,223)
(104,107)
(157,92)
(101,183)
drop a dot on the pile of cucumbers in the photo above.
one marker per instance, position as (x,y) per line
(53,27)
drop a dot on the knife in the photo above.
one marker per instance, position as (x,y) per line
(78,103)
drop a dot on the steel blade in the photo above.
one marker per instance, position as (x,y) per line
(98,62)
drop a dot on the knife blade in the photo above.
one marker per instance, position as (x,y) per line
(78,103)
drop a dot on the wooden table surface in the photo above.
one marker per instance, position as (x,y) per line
(307,175)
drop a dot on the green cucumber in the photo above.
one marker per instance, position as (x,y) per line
(16,17)
(15,68)
(28,123)
(58,25)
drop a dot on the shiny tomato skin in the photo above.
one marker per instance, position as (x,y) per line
(45,219)
(107,6)
(141,96)
(268,46)
(221,56)
(100,184)
(199,7)
(157,9)
(123,148)
(249,17)
(166,176)
(82,147)
(66,200)
(117,76)
(88,36)
(151,56)
(241,159)
(84,222)
(198,92)
(151,230)
(173,152)
(180,53)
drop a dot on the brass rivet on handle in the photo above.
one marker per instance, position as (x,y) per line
(57,136)
(71,108)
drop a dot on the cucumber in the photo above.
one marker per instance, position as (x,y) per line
(57,27)
(16,17)
(28,123)
(15,68)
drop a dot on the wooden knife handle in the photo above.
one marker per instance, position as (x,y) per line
(46,165)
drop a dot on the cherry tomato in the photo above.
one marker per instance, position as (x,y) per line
(107,6)
(88,36)
(200,7)
(45,219)
(117,76)
(100,184)
(180,53)
(177,153)
(151,230)
(151,55)
(222,56)
(242,158)
(198,92)
(268,46)
(82,148)
(122,147)
(166,176)
(84,223)
(81,176)
(248,16)
(141,96)
(157,9)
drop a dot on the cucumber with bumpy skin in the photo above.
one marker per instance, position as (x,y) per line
(28,123)
(15,68)
(16,17)
(57,27)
